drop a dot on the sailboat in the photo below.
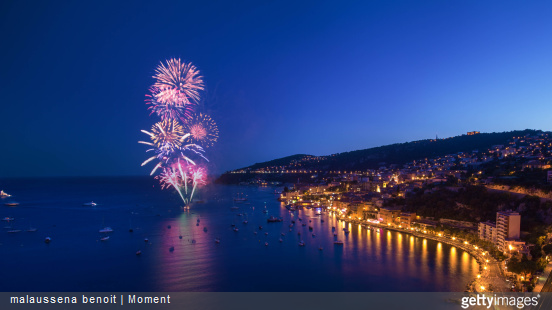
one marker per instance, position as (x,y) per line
(240,198)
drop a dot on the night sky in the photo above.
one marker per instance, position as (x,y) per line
(282,77)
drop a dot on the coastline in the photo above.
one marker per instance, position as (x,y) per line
(489,268)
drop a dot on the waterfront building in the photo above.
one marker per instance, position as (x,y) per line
(388,215)
(507,226)
(488,232)
(406,219)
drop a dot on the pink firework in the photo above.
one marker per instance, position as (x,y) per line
(169,177)
(198,175)
(168,104)
(202,129)
(178,82)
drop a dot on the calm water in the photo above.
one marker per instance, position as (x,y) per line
(76,260)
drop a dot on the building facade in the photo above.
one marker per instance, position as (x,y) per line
(507,227)
(488,232)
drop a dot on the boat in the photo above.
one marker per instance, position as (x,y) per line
(265,211)
(47,239)
(4,194)
(32,229)
(138,252)
(245,222)
(171,249)
(205,229)
(7,219)
(13,231)
(12,204)
(236,229)
(217,240)
(266,234)
(314,235)
(180,237)
(106,230)
(281,240)
(146,240)
(301,243)
(266,243)
(260,227)
(304,224)
(240,198)
(282,234)
(310,228)
(338,243)
(273,219)
(90,204)
(104,238)
(321,248)
(255,232)
(234,208)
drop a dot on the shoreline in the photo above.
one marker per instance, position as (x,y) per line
(489,268)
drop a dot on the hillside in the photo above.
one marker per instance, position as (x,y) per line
(373,158)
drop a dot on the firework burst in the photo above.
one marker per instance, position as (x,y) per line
(166,135)
(180,138)
(202,130)
(178,82)
(166,107)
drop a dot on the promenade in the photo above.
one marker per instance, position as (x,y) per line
(544,283)
(491,277)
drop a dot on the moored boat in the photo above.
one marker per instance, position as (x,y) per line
(273,219)
(106,230)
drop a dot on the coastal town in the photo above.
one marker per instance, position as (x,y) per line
(511,239)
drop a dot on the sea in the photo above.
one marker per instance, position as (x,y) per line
(178,248)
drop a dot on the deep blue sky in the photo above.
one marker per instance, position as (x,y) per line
(284,77)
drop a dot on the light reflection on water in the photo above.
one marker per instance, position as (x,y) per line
(369,260)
